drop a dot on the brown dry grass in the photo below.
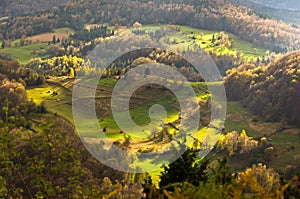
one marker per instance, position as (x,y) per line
(140,97)
(46,37)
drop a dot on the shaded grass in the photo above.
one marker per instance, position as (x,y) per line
(64,30)
(140,116)
(108,82)
(283,144)
(237,119)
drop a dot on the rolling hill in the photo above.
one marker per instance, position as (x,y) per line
(286,4)
(281,13)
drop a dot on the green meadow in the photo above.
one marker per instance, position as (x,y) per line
(60,104)
(35,50)
(184,39)
(25,53)
(238,119)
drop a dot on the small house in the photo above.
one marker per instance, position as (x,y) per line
(137,25)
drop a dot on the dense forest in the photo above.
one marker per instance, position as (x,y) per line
(270,91)
(17,8)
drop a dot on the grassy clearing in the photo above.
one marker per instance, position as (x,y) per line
(64,30)
(108,82)
(237,119)
(140,116)
(16,42)
(287,146)
(24,53)
(235,107)
(247,48)
(183,39)
(191,30)
(60,104)
(37,49)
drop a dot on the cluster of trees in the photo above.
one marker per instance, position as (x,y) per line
(214,15)
(13,99)
(57,66)
(247,150)
(221,39)
(47,160)
(13,102)
(269,91)
(189,178)
(236,143)
(72,65)
(12,70)
(146,56)
(157,34)
(89,35)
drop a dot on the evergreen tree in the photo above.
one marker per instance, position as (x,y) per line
(185,169)
(54,39)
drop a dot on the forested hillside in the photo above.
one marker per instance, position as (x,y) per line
(278,12)
(213,15)
(286,4)
(269,91)
(23,7)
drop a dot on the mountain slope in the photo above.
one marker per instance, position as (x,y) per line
(289,16)
(282,4)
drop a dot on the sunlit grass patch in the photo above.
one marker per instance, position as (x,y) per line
(24,53)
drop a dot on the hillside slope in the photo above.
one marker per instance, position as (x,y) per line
(212,15)
(289,16)
(23,7)
(286,4)
(272,91)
